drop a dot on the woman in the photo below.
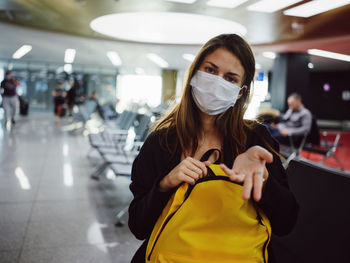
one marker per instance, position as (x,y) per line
(59,99)
(210,115)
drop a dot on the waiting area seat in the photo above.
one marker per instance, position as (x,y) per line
(327,148)
(118,144)
(322,231)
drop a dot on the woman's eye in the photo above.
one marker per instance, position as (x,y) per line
(230,79)
(210,70)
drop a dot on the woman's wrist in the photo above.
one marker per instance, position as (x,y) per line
(162,186)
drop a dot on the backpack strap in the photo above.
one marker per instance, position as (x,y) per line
(206,156)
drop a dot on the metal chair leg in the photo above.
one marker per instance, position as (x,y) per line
(96,175)
(121,213)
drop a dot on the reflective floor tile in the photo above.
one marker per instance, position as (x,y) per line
(54,233)
(17,195)
(15,212)
(10,256)
(71,254)
(12,235)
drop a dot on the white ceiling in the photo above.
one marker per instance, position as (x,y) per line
(49,47)
(91,53)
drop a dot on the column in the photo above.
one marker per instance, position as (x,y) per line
(168,84)
(290,74)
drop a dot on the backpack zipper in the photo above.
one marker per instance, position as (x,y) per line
(265,246)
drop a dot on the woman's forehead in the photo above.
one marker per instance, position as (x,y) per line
(225,60)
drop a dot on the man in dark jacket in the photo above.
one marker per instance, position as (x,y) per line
(9,96)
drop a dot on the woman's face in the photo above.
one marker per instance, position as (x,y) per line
(224,64)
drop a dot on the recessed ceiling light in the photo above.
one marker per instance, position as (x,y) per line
(269,54)
(22,51)
(270,6)
(183,1)
(310,65)
(158,60)
(69,55)
(114,58)
(188,57)
(226,3)
(164,27)
(328,54)
(315,7)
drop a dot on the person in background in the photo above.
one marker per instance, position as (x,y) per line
(71,96)
(59,95)
(94,98)
(9,96)
(81,99)
(210,115)
(295,122)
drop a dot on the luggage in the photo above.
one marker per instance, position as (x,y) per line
(210,222)
(61,110)
(23,106)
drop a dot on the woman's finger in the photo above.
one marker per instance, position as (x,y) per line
(195,169)
(187,179)
(207,163)
(234,176)
(247,187)
(264,154)
(239,178)
(227,170)
(258,184)
(200,165)
(193,174)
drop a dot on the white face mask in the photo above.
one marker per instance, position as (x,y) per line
(212,94)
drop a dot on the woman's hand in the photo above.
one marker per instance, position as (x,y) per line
(188,170)
(249,169)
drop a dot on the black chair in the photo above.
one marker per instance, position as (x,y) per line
(124,151)
(297,143)
(113,134)
(322,231)
(327,148)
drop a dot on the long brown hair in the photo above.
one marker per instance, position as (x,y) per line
(185,116)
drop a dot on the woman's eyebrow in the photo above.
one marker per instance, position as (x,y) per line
(216,67)
(213,65)
(233,74)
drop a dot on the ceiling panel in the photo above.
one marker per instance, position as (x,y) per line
(51,26)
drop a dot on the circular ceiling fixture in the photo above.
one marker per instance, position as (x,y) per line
(164,27)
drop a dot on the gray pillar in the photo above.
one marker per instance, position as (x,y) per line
(290,74)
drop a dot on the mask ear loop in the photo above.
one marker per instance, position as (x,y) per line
(242,91)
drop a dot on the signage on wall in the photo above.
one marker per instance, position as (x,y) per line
(346,95)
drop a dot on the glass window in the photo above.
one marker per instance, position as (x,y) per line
(138,89)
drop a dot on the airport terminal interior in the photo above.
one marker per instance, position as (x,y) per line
(92,78)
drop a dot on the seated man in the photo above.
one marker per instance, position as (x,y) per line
(295,122)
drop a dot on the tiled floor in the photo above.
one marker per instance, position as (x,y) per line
(50,210)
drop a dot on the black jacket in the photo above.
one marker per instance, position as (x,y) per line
(9,86)
(153,163)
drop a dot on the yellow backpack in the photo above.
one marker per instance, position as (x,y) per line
(210,222)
